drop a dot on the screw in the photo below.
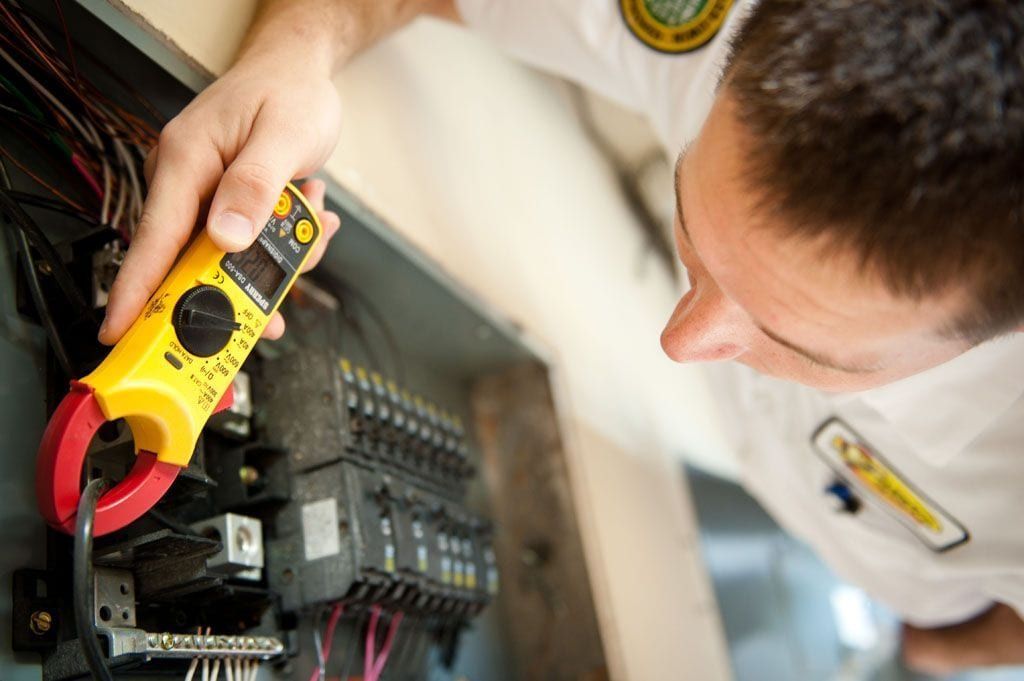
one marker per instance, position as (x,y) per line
(248,475)
(40,622)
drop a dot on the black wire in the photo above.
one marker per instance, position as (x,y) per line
(385,329)
(36,290)
(56,205)
(17,215)
(352,650)
(42,308)
(82,592)
(344,290)
(39,127)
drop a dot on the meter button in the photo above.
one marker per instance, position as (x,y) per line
(304,231)
(172,360)
(204,319)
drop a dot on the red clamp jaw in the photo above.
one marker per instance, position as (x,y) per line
(59,468)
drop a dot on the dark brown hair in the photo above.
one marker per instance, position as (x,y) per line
(895,128)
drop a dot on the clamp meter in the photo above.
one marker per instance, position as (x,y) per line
(174,367)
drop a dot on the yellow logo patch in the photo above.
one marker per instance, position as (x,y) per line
(851,458)
(877,476)
(674,26)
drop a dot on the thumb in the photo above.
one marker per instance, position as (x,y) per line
(250,187)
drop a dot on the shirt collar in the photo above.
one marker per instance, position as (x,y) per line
(940,411)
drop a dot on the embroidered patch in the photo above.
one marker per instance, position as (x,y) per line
(857,462)
(674,26)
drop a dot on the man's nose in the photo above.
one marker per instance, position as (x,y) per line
(705,327)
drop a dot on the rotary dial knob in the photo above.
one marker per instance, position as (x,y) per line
(204,320)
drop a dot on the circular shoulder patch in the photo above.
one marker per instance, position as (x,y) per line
(674,26)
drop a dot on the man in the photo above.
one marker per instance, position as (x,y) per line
(850,216)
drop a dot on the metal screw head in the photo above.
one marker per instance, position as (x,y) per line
(40,622)
(248,475)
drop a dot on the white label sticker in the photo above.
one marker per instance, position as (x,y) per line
(320,529)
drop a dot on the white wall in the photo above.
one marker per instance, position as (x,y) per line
(481,164)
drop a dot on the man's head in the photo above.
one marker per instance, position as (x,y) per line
(853,211)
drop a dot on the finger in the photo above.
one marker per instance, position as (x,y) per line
(274,328)
(314,191)
(180,181)
(252,184)
(149,165)
(330,222)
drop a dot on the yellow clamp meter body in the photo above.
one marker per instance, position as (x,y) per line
(171,368)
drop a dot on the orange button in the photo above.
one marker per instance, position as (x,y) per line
(304,231)
(283,205)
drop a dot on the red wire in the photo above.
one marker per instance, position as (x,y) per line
(378,664)
(79,163)
(53,190)
(328,638)
(67,37)
(371,644)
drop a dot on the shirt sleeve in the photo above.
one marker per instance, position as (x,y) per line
(589,42)
(557,36)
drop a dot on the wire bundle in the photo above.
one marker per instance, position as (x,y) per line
(373,659)
(61,113)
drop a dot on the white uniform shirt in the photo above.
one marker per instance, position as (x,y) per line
(939,533)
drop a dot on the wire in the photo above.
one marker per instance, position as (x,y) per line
(325,643)
(83,591)
(385,651)
(21,219)
(36,291)
(351,652)
(40,181)
(42,309)
(343,290)
(370,645)
(47,203)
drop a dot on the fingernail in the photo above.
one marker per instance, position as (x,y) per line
(103,328)
(233,227)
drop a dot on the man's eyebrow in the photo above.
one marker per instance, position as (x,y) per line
(677,174)
(815,357)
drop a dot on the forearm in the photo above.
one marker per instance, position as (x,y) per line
(326,34)
(996,637)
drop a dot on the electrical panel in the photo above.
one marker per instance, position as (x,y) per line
(326,508)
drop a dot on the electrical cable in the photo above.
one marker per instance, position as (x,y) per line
(369,654)
(59,270)
(40,181)
(326,642)
(42,309)
(352,651)
(385,651)
(36,291)
(83,591)
(46,203)
(343,291)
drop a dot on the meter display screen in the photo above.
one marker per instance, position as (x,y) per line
(259,269)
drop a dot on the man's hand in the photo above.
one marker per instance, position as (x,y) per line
(272,117)
(232,149)
(996,637)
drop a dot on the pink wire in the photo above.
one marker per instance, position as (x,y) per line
(371,644)
(378,664)
(332,622)
(84,170)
